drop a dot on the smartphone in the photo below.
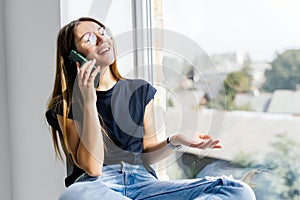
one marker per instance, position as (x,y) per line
(77,57)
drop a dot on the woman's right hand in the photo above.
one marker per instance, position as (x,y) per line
(195,140)
(86,81)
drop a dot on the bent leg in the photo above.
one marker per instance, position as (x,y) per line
(215,188)
(90,190)
(228,188)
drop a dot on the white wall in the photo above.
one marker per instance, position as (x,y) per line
(30,35)
(5,172)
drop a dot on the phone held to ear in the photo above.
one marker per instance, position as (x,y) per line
(77,57)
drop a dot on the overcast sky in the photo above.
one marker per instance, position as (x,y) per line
(260,27)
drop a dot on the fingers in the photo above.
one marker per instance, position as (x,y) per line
(95,71)
(204,144)
(204,136)
(205,141)
(84,72)
(87,68)
(215,144)
(218,146)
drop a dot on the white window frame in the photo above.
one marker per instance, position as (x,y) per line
(143,41)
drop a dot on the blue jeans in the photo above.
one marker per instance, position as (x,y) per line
(125,181)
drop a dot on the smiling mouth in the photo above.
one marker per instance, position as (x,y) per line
(103,50)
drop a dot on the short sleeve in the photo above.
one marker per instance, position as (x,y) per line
(51,115)
(150,91)
(52,119)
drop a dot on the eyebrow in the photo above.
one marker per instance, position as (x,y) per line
(100,27)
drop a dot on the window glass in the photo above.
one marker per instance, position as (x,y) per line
(235,74)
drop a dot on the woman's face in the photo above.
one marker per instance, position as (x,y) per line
(93,42)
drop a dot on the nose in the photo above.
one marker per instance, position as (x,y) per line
(100,38)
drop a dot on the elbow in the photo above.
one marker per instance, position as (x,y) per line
(90,163)
(91,167)
(92,171)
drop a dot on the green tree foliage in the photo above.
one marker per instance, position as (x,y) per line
(284,163)
(285,72)
(236,82)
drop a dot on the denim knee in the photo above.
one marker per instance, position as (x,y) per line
(235,189)
(77,191)
(90,190)
(247,191)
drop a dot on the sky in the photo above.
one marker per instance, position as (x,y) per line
(258,27)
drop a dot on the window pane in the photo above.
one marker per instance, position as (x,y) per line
(250,66)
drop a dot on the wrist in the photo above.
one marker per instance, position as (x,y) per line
(172,144)
(173,140)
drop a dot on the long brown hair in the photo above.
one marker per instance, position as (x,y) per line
(65,76)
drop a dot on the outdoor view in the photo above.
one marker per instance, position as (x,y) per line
(242,85)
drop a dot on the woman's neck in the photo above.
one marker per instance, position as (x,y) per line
(107,80)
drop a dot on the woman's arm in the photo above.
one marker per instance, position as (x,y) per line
(85,142)
(155,150)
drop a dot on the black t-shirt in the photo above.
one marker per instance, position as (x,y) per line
(122,111)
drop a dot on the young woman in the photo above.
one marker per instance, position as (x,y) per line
(107,130)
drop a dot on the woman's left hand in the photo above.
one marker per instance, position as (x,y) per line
(197,140)
(86,81)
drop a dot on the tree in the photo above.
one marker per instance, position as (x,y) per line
(285,72)
(284,179)
(236,82)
